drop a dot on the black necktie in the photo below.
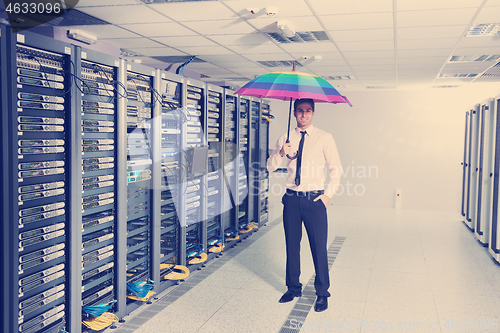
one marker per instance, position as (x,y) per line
(299,158)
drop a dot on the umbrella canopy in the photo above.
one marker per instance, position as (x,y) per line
(292,85)
(289,85)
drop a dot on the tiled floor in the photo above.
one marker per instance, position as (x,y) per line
(422,270)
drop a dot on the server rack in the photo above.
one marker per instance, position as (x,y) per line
(465,166)
(172,119)
(215,175)
(230,155)
(471,213)
(254,162)
(140,185)
(41,153)
(98,112)
(243,164)
(485,179)
(195,170)
(494,241)
(263,197)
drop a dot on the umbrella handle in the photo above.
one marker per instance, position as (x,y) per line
(293,157)
(289,116)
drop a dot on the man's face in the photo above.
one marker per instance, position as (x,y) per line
(304,114)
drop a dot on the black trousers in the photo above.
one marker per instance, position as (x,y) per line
(297,209)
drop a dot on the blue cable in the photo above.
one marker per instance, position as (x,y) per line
(140,288)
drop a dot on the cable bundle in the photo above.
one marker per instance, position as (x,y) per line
(101,322)
(232,234)
(177,272)
(140,290)
(97,310)
(198,259)
(194,250)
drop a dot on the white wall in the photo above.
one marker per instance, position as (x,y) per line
(411,140)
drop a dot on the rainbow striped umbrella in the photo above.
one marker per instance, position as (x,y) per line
(291,85)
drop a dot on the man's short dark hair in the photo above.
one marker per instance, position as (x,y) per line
(303,100)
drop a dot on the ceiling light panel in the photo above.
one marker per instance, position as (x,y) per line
(364,35)
(159,29)
(475,58)
(349,7)
(220,27)
(194,10)
(405,5)
(439,17)
(357,21)
(125,14)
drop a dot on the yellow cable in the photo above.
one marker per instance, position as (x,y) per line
(178,272)
(101,322)
(198,259)
(144,299)
(234,238)
(255,225)
(217,248)
(246,229)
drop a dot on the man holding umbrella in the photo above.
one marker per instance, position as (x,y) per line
(306,200)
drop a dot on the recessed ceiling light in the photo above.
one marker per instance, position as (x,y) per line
(278,63)
(490,29)
(446,86)
(299,37)
(479,58)
(455,75)
(339,77)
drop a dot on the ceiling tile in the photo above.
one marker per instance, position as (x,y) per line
(421,67)
(452,31)
(128,43)
(302,23)
(476,50)
(246,64)
(357,21)
(220,27)
(268,57)
(488,15)
(251,49)
(103,31)
(491,3)
(159,29)
(423,60)
(185,41)
(283,8)
(326,56)
(256,38)
(99,3)
(440,17)
(336,70)
(194,11)
(362,35)
(224,58)
(156,51)
(423,53)
(373,67)
(372,61)
(332,7)
(125,14)
(486,41)
(371,55)
(366,46)
(204,50)
(309,48)
(416,44)
(433,4)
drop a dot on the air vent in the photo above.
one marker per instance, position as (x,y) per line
(177,59)
(490,75)
(458,76)
(300,37)
(278,63)
(339,77)
(479,30)
(481,58)
(380,87)
(129,54)
(446,86)
(76,17)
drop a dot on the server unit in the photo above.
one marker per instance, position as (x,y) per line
(471,204)
(243,165)
(494,240)
(263,196)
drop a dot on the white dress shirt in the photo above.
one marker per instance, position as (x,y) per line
(319,147)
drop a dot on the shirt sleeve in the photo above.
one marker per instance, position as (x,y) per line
(334,165)
(275,160)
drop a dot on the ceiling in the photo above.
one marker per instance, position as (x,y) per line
(371,44)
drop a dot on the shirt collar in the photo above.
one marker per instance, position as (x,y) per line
(309,130)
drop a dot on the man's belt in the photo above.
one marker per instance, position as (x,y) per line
(304,194)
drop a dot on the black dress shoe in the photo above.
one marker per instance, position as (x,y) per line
(321,304)
(289,296)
